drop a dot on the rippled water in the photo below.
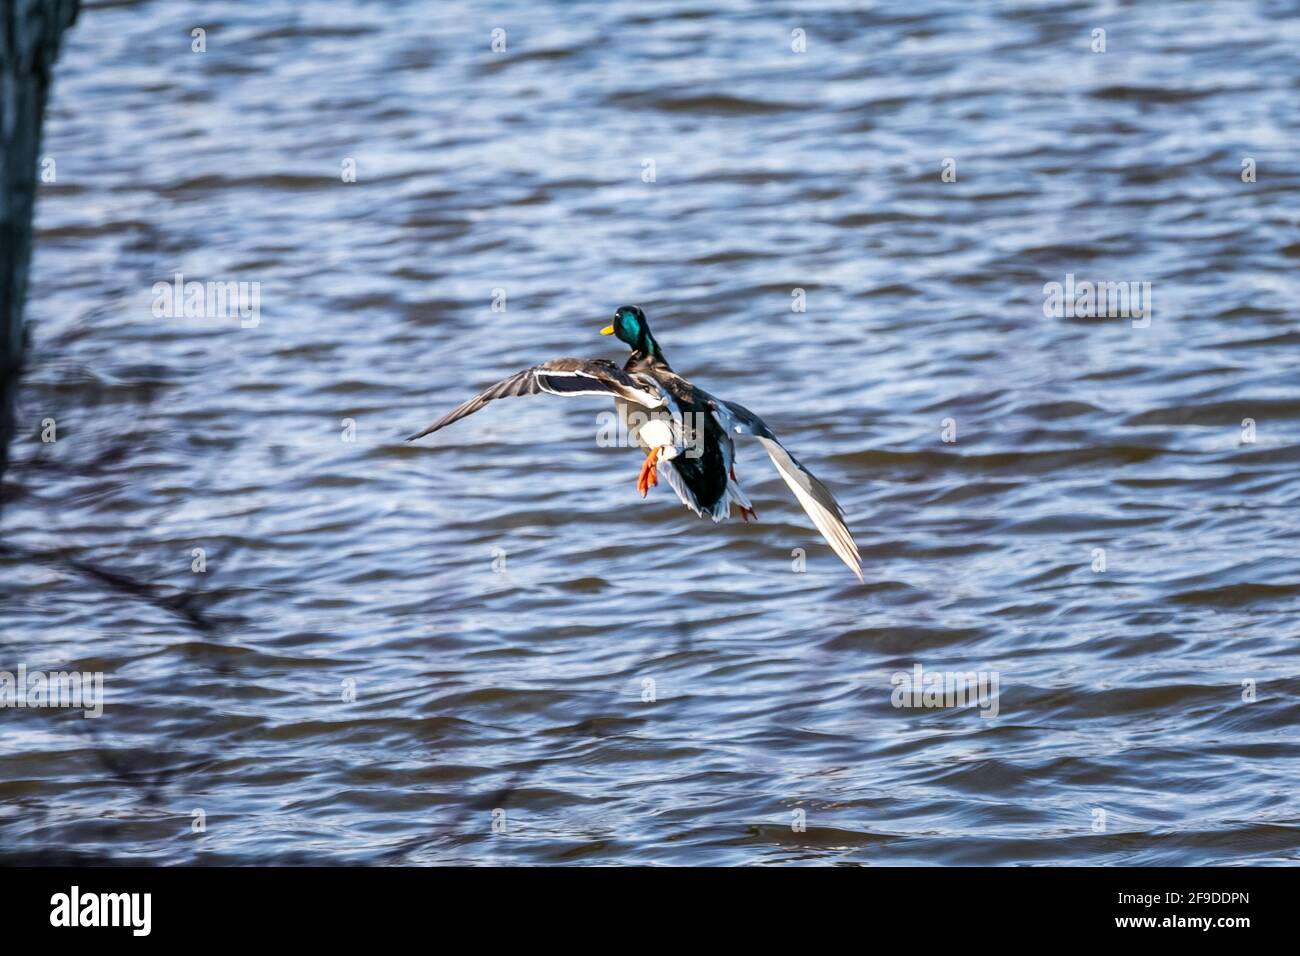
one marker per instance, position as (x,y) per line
(500,597)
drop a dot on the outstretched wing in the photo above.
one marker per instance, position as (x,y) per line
(558,377)
(815,497)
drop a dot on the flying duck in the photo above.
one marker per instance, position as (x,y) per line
(683,429)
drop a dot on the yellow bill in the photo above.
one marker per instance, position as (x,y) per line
(607,330)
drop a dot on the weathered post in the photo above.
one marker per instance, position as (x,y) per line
(30,31)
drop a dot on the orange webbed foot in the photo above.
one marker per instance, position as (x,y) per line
(648,477)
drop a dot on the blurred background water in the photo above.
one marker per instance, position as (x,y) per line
(499,596)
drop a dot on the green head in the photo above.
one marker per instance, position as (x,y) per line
(630,326)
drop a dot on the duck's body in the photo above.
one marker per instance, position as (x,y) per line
(682,428)
(700,472)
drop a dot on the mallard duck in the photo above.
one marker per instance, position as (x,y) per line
(682,428)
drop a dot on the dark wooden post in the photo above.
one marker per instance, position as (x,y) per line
(30,31)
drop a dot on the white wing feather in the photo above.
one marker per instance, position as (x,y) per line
(815,498)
